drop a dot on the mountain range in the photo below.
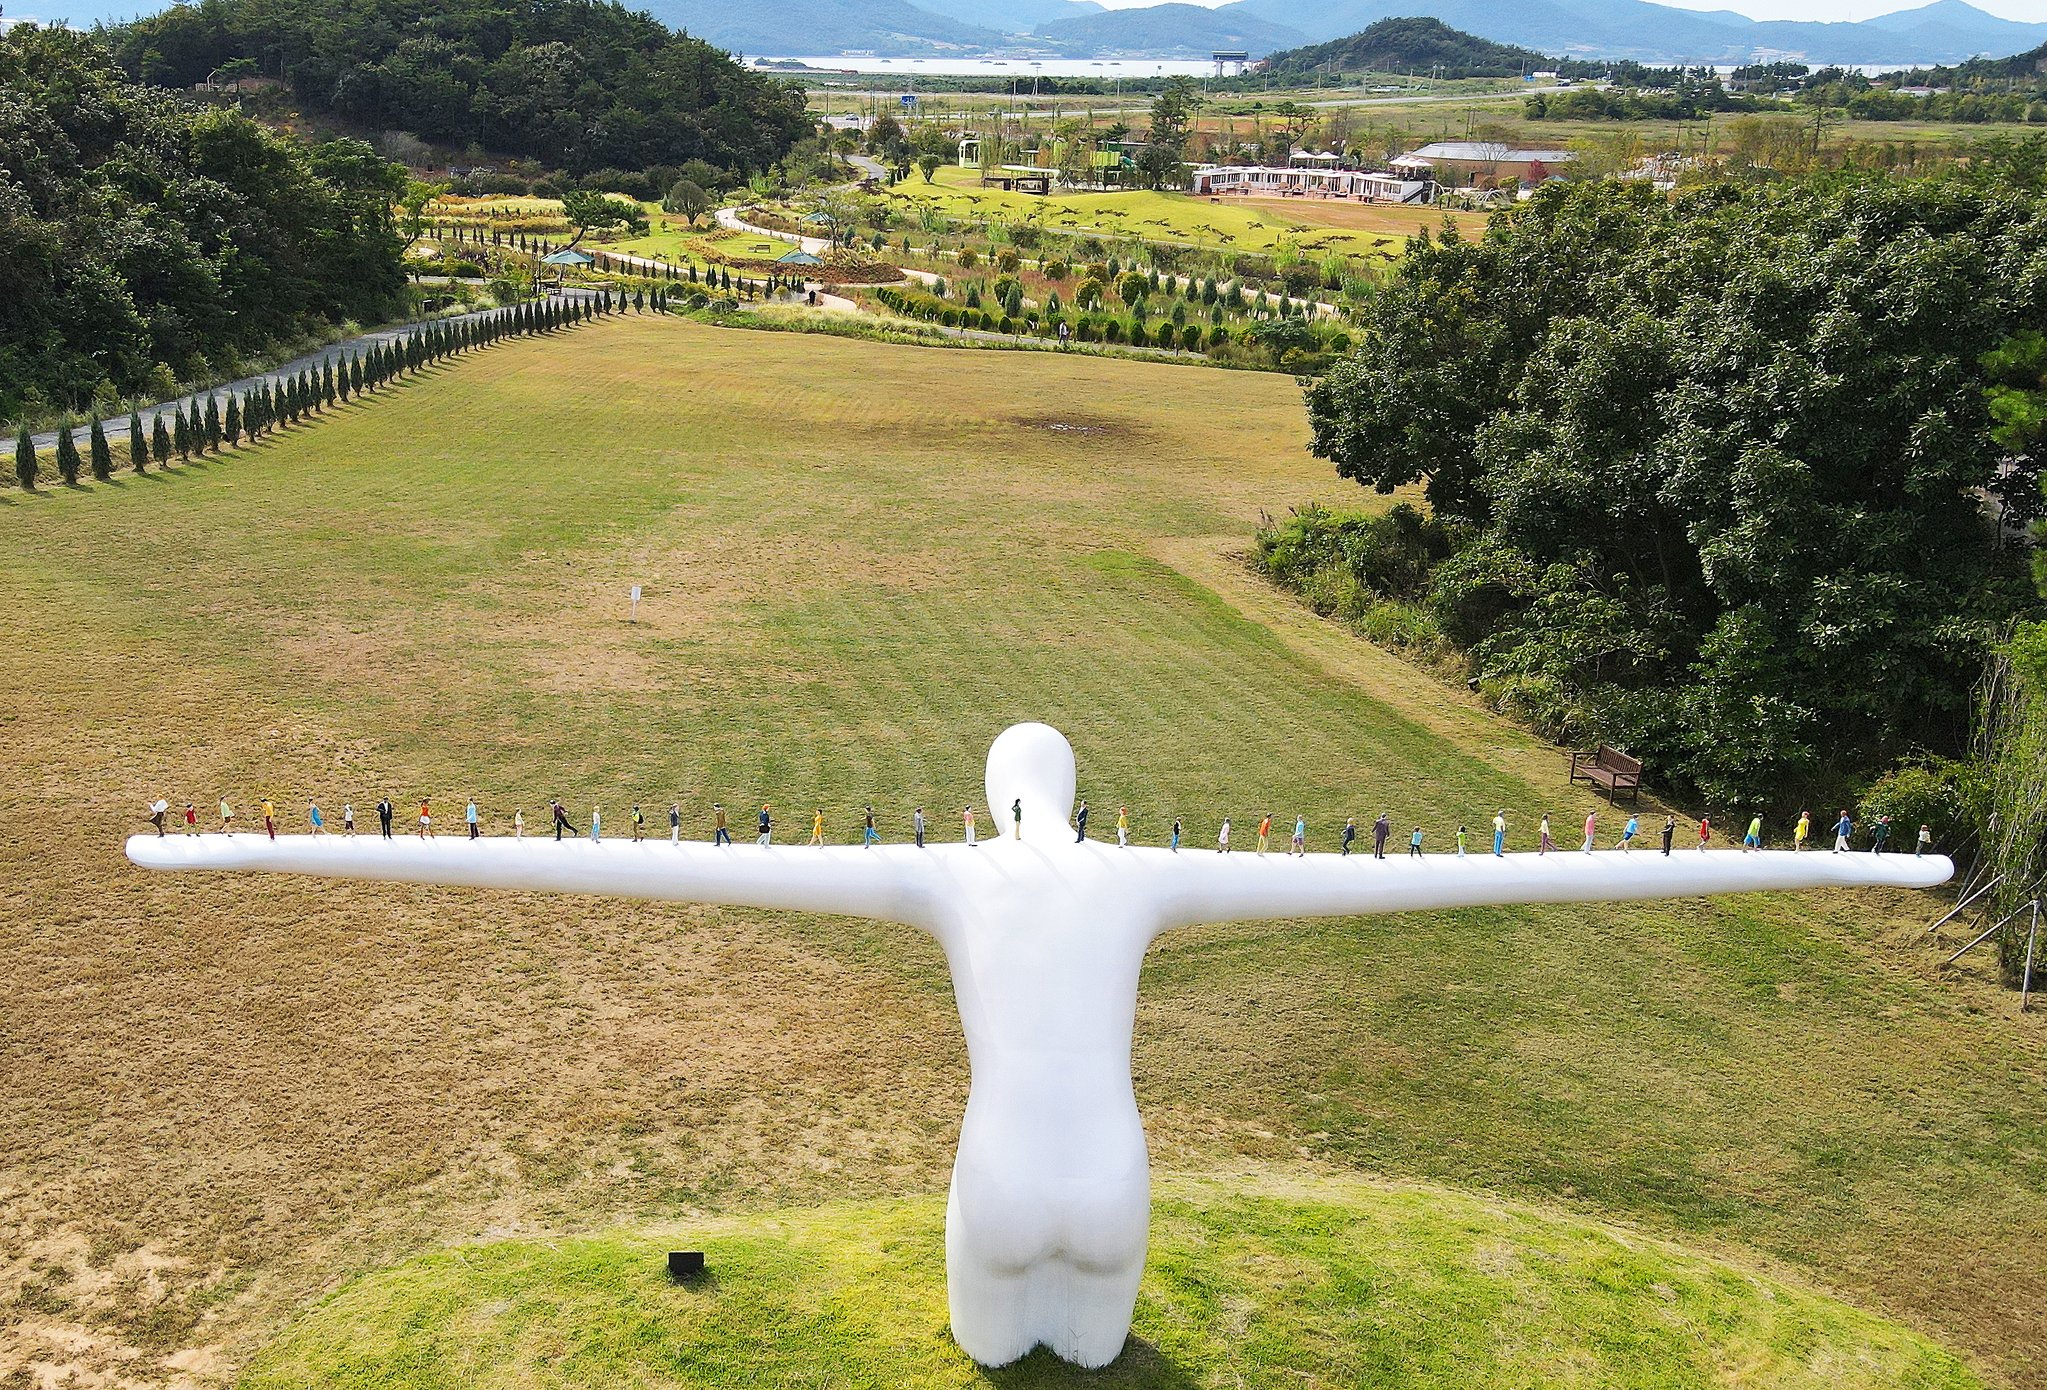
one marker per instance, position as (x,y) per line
(1945,31)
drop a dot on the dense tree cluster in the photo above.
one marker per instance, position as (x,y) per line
(142,239)
(577,84)
(1411,45)
(1729,467)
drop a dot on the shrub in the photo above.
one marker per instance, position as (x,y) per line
(1057,270)
(968,258)
(1008,262)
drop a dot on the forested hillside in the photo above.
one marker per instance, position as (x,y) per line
(143,239)
(1413,45)
(576,84)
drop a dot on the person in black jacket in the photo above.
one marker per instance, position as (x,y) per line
(1081,821)
(1381,828)
(384,816)
(1350,832)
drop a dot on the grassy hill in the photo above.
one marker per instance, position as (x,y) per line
(221,1098)
(1252,1283)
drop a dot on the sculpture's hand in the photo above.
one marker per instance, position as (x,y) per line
(892,883)
(1209,887)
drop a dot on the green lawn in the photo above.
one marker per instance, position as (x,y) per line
(1179,217)
(218,1097)
(1249,1285)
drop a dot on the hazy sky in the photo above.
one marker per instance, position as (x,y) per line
(2032,11)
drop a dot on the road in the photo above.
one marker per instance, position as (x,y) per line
(117,425)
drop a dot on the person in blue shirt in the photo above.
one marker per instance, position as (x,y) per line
(312,811)
(1500,834)
(1628,833)
(1176,835)
(1414,844)
(470,816)
(1843,828)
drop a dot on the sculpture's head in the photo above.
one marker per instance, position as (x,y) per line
(1033,764)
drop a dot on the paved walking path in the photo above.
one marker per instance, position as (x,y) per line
(117,425)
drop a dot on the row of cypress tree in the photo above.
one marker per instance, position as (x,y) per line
(203,427)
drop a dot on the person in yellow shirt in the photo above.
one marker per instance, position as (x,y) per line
(269,818)
(1801,830)
(1123,826)
(817,827)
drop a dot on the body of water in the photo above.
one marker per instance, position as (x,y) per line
(1108,69)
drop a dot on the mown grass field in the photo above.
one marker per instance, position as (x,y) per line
(1253,1283)
(1218,224)
(221,1098)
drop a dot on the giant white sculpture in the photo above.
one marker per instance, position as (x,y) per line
(1047,1220)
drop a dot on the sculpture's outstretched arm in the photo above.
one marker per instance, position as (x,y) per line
(1210,887)
(893,883)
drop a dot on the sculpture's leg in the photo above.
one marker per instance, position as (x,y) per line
(1048,1249)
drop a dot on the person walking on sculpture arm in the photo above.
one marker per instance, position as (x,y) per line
(1669,834)
(1628,832)
(817,827)
(1123,827)
(1843,828)
(766,827)
(639,823)
(1591,829)
(917,826)
(968,816)
(1500,834)
(1753,840)
(1414,844)
(1880,833)
(868,834)
(1460,842)
(596,825)
(1382,828)
(1801,830)
(1545,844)
(158,809)
(348,818)
(313,816)
(1016,818)
(191,820)
(1264,831)
(1176,835)
(1350,834)
(1080,822)
(1299,844)
(675,822)
(269,818)
(385,811)
(721,834)
(227,817)
(1705,832)
(474,822)
(1222,839)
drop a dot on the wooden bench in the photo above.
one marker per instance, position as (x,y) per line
(1609,768)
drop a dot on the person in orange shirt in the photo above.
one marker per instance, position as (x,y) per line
(426,820)
(1264,830)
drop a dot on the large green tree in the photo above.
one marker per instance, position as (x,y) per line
(1724,460)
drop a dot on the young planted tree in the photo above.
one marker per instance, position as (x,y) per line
(181,438)
(212,424)
(138,446)
(232,425)
(25,465)
(67,454)
(102,456)
(160,441)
